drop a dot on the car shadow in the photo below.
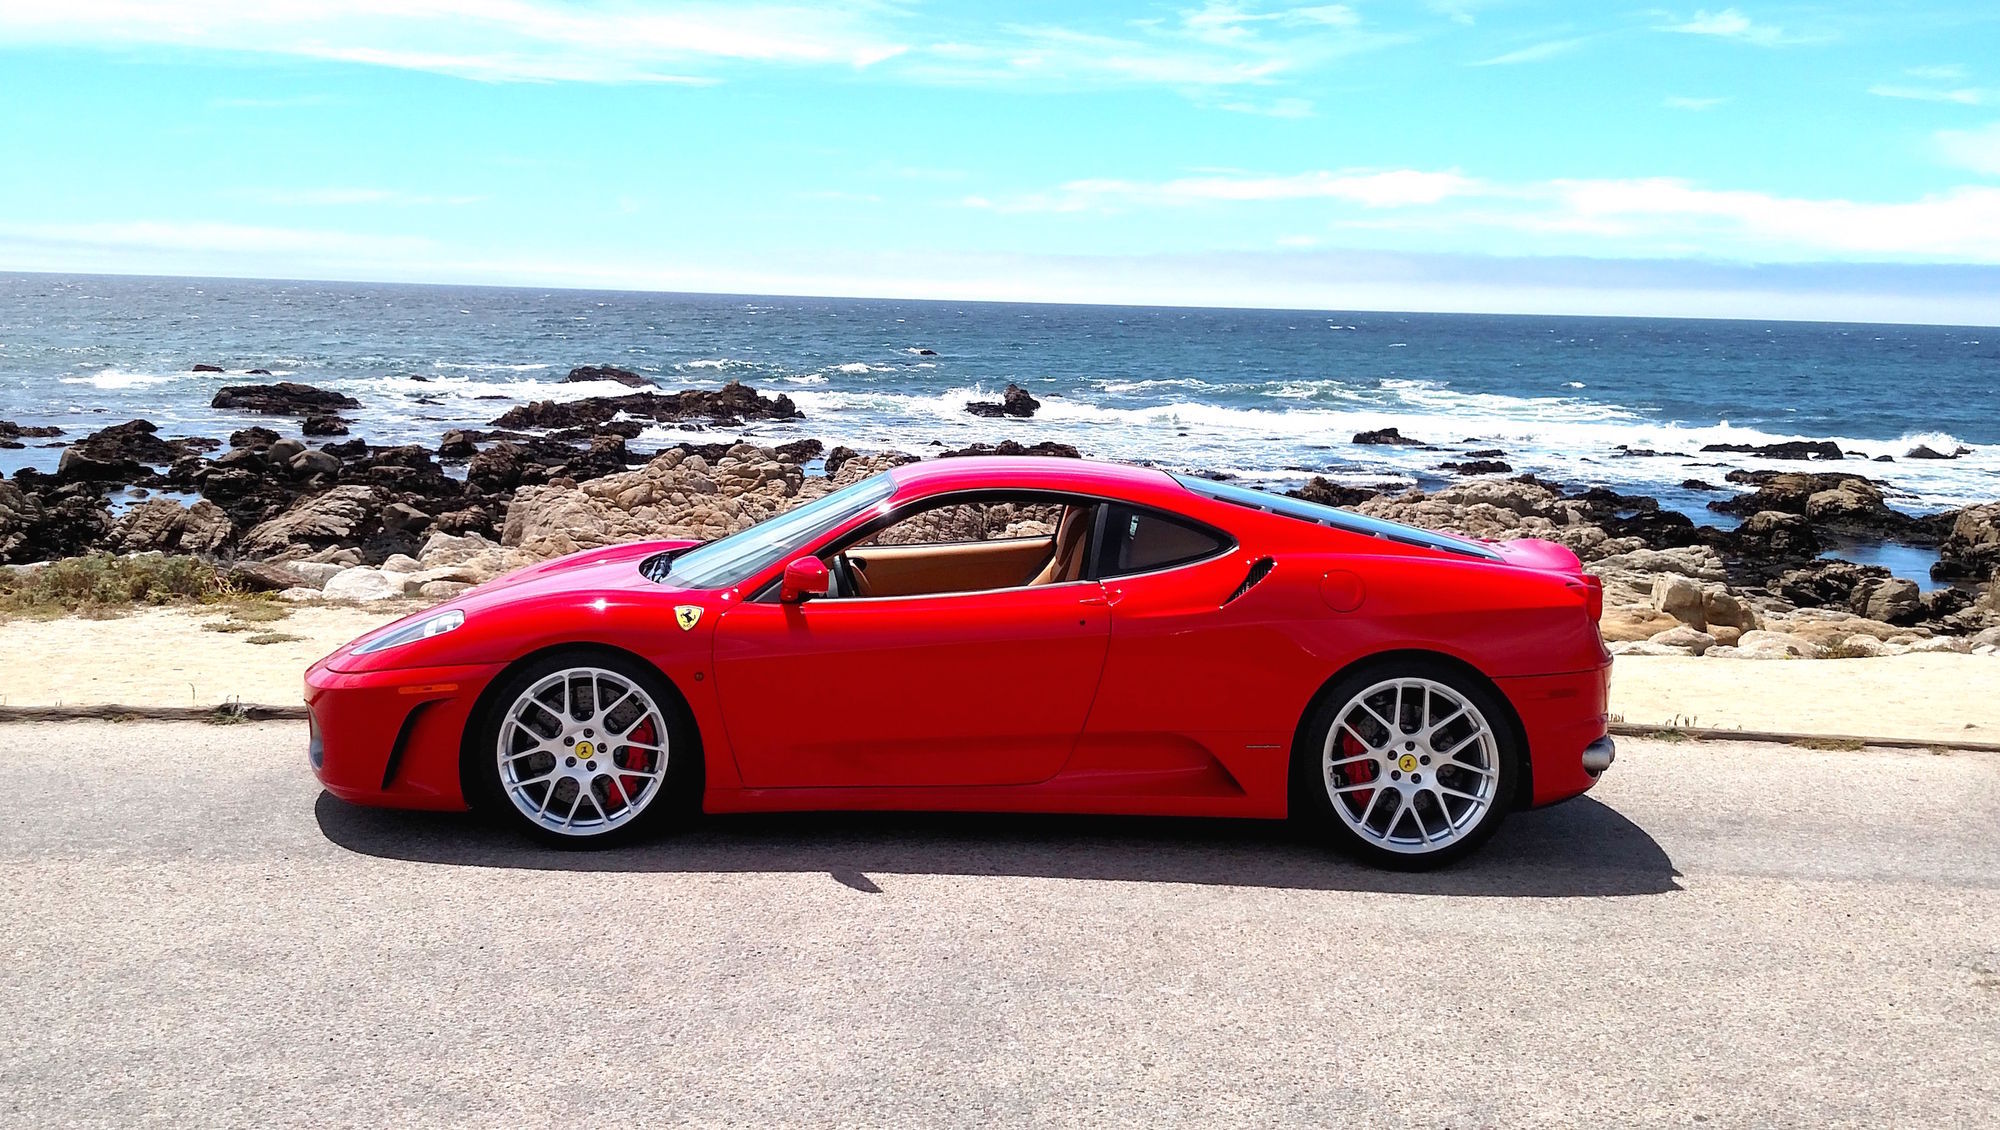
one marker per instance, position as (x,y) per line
(1579,848)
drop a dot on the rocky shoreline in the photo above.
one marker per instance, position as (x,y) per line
(350,520)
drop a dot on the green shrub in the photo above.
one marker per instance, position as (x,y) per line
(103,582)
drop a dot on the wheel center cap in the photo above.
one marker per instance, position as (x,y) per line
(585,749)
(1407,763)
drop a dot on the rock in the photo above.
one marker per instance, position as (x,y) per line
(1688,640)
(164,525)
(324,426)
(1725,636)
(457,446)
(1647,647)
(1925,451)
(1010,447)
(1680,597)
(1775,536)
(446,549)
(265,576)
(1723,609)
(402,516)
(729,406)
(1386,437)
(1326,492)
(363,583)
(1477,467)
(676,495)
(1632,625)
(1698,484)
(927,353)
(1789,449)
(125,453)
(342,516)
(302,595)
(1892,600)
(284,450)
(1987,638)
(1971,551)
(1858,647)
(1775,645)
(207,369)
(253,437)
(1015,401)
(583,373)
(316,462)
(1849,503)
(286,398)
(1954,645)
(315,573)
(11,433)
(400,563)
(441,590)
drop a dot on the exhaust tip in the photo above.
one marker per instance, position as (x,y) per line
(1598,755)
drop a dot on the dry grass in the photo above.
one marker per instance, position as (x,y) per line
(103,585)
(1833,745)
(273,637)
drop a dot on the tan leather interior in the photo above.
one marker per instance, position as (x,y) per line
(1066,563)
(913,570)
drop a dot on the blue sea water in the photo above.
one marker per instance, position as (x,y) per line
(1270,395)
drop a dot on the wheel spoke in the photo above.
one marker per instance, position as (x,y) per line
(1357,737)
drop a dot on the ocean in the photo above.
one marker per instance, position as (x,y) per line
(1273,396)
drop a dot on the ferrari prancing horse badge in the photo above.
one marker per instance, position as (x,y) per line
(687,615)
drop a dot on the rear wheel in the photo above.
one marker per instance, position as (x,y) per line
(583,749)
(1407,764)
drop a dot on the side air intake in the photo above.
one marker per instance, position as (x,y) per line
(1259,569)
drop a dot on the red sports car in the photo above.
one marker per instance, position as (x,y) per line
(1046,635)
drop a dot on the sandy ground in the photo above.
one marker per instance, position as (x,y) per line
(165,657)
(1720,935)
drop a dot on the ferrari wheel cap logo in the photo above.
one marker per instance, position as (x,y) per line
(585,749)
(687,616)
(1408,764)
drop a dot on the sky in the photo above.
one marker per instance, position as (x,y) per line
(1836,160)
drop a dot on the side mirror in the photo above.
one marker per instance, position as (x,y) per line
(804,578)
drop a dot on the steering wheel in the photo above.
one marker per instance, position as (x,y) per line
(842,576)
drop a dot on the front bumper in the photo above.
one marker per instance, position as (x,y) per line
(391,738)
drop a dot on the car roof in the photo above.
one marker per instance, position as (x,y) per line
(1033,472)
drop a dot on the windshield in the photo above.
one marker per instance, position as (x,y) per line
(742,555)
(1333,516)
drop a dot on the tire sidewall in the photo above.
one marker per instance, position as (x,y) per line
(679,799)
(1314,807)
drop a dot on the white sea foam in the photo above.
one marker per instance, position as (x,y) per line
(110,379)
(487,367)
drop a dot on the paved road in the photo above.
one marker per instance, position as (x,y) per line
(1727,934)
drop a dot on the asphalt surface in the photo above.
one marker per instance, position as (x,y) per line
(1722,934)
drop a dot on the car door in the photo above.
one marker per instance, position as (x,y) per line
(952,689)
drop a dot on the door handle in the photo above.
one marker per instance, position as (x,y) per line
(1099,601)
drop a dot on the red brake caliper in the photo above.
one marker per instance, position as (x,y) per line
(623,789)
(1358,772)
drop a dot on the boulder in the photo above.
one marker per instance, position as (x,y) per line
(1386,437)
(400,563)
(1477,467)
(205,368)
(1632,625)
(324,426)
(1770,536)
(1326,492)
(285,398)
(1775,645)
(165,525)
(677,495)
(1836,500)
(441,590)
(728,406)
(342,516)
(363,583)
(1004,447)
(314,573)
(1686,639)
(266,576)
(1926,451)
(1892,600)
(1971,551)
(253,437)
(1015,401)
(1789,449)
(584,373)
(315,462)
(1681,597)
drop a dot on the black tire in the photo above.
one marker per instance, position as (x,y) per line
(672,806)
(1313,803)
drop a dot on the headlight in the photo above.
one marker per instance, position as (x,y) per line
(421,630)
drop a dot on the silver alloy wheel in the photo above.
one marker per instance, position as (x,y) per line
(583,751)
(1411,765)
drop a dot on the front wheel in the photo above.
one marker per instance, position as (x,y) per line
(1409,765)
(582,749)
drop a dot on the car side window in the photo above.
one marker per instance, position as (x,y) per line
(1140,541)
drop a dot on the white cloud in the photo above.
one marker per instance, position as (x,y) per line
(1963,96)
(1975,149)
(1677,102)
(496,40)
(1730,24)
(1945,72)
(1648,216)
(1536,53)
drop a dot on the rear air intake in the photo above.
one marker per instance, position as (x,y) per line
(1259,569)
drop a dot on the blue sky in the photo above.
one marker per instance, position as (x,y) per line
(1824,160)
